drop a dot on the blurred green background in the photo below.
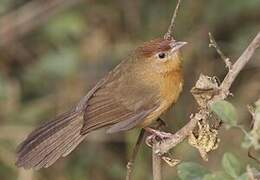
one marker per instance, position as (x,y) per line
(53,51)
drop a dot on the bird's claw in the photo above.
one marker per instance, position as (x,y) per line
(149,140)
(156,136)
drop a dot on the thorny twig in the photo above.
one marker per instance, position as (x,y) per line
(168,34)
(214,44)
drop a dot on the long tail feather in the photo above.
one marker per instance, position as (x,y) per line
(52,140)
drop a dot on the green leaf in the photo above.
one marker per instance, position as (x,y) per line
(191,171)
(243,177)
(217,176)
(247,142)
(231,165)
(225,111)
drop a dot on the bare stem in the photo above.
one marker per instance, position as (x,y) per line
(130,164)
(214,44)
(168,34)
(157,162)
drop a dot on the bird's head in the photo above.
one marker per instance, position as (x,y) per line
(162,55)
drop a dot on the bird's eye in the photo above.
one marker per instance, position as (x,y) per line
(161,55)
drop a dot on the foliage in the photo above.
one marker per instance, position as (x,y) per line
(189,170)
(231,165)
(226,112)
(252,139)
(231,169)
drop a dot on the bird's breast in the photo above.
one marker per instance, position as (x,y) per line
(170,89)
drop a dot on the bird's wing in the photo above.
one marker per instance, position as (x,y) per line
(120,101)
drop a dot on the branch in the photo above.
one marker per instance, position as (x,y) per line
(214,44)
(168,34)
(178,137)
(157,162)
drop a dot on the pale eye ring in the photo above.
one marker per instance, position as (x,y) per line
(161,55)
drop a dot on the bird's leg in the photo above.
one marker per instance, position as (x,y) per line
(161,122)
(155,135)
(160,134)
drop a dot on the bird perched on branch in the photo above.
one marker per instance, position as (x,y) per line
(134,94)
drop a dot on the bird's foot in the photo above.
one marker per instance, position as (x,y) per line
(156,136)
(161,123)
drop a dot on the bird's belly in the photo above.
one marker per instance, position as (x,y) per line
(155,114)
(169,100)
(151,118)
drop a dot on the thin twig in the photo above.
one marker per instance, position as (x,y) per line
(240,63)
(140,139)
(178,137)
(157,162)
(168,34)
(214,44)
(130,164)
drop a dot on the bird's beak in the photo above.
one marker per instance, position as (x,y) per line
(177,45)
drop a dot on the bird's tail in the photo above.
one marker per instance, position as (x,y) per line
(52,140)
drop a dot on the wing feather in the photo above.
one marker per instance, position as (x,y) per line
(120,103)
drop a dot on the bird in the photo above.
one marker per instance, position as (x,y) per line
(134,94)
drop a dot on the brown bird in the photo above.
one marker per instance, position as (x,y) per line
(134,94)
